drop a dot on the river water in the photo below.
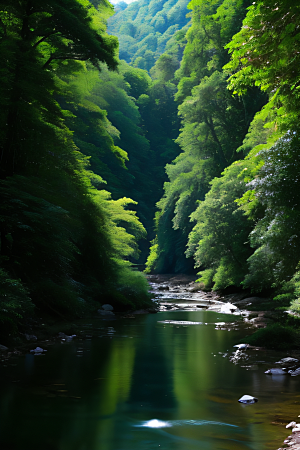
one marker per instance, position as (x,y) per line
(160,381)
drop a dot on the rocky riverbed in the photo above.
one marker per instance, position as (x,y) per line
(182,292)
(293,440)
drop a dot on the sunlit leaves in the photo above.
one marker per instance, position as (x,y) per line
(275,234)
(219,239)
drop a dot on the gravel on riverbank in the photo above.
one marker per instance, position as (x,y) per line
(293,440)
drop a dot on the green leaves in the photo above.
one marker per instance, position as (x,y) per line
(214,125)
(275,234)
(147,30)
(265,53)
(219,239)
(61,234)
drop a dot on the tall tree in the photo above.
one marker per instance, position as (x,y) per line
(35,38)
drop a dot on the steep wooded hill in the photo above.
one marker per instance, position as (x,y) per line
(148,28)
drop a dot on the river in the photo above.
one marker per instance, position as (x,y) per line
(160,381)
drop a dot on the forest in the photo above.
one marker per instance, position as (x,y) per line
(159,134)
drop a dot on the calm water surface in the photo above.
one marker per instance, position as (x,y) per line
(142,384)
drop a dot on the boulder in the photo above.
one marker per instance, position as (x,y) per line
(248,399)
(294,373)
(276,371)
(291,424)
(38,351)
(287,361)
(107,307)
(228,308)
(241,346)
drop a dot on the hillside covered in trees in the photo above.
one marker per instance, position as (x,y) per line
(190,106)
(232,200)
(146,29)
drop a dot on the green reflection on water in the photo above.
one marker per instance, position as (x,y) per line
(96,394)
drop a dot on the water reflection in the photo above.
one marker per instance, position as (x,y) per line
(159,381)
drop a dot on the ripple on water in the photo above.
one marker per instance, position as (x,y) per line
(155,423)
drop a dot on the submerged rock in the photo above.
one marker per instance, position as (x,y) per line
(3,348)
(248,399)
(65,337)
(276,371)
(38,351)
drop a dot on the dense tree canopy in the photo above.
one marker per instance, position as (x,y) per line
(214,125)
(200,116)
(64,242)
(148,28)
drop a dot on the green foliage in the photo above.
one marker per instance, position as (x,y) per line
(264,50)
(275,234)
(64,241)
(15,303)
(153,257)
(264,54)
(219,238)
(147,29)
(73,30)
(206,278)
(274,336)
(131,290)
(214,125)
(138,80)
(165,67)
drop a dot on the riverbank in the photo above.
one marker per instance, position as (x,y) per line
(184,287)
(293,440)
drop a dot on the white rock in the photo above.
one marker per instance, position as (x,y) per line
(294,430)
(291,424)
(248,399)
(241,346)
(228,308)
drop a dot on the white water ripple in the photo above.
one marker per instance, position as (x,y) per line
(155,423)
(180,322)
